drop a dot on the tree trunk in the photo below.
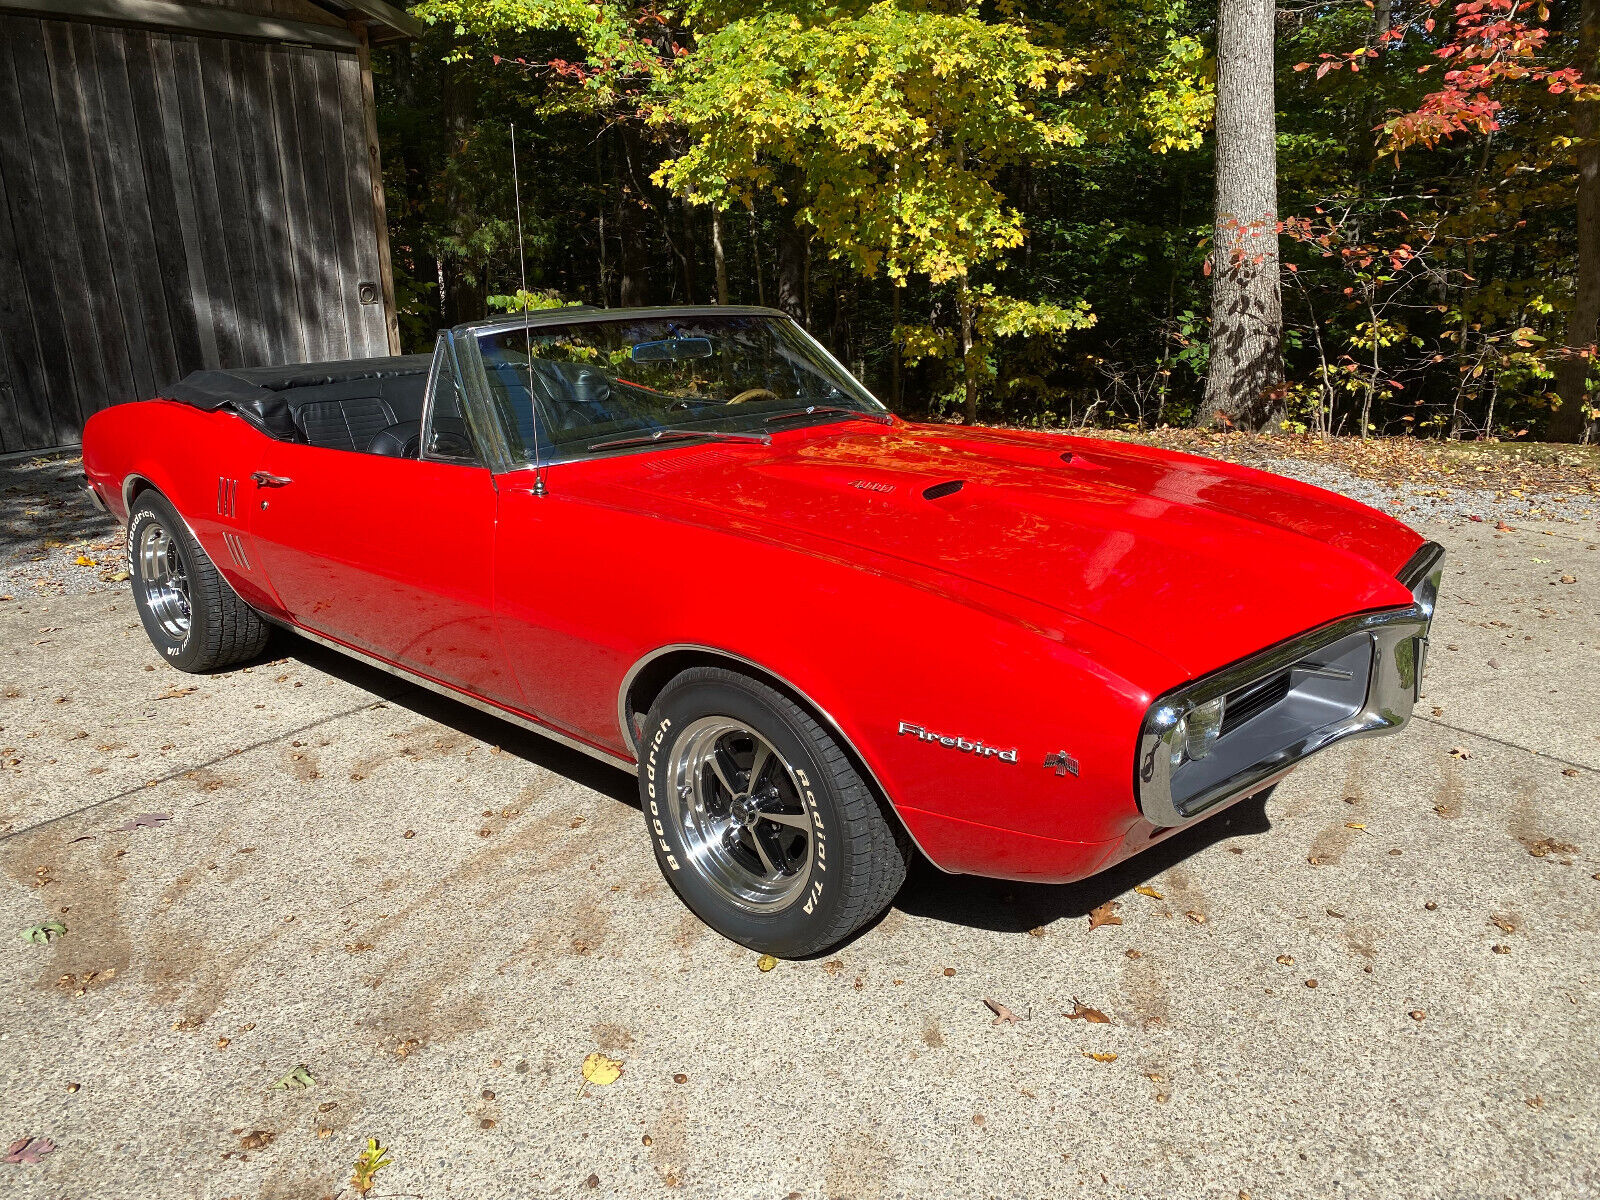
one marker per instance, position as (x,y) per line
(755,260)
(792,271)
(634,286)
(688,252)
(1570,423)
(719,258)
(894,346)
(969,378)
(1244,386)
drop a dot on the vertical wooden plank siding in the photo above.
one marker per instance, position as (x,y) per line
(115,220)
(369,109)
(54,382)
(133,237)
(268,205)
(170,202)
(79,201)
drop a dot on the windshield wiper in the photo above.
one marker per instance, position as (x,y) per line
(679,435)
(830,410)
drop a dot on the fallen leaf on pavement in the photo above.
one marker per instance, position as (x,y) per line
(1105,1057)
(1001,1012)
(29,1150)
(368,1163)
(600,1070)
(144,821)
(1286,960)
(1504,924)
(1571,772)
(83,560)
(1545,847)
(1105,914)
(1568,579)
(766,962)
(1144,889)
(299,1078)
(1199,918)
(256,1139)
(1460,752)
(176,693)
(43,932)
(1082,1012)
(1502,527)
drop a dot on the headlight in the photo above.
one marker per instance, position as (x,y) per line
(1195,732)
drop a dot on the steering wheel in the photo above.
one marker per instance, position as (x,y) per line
(753,393)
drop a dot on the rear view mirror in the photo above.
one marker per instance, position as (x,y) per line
(672,350)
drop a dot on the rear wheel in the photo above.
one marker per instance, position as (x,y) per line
(191,615)
(759,819)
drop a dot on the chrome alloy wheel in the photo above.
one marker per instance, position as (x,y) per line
(165,580)
(745,826)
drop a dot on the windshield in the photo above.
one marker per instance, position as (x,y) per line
(597,382)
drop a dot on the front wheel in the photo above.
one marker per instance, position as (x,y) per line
(759,819)
(191,615)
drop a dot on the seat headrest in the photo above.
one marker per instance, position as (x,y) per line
(590,387)
(403,439)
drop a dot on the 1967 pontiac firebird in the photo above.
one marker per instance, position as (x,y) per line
(686,541)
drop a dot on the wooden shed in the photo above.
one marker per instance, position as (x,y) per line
(183,185)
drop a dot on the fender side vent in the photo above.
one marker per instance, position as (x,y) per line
(1066,456)
(940,490)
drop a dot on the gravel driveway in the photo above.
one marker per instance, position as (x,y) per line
(1383,981)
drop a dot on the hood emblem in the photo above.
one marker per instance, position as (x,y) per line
(965,745)
(870,486)
(1063,762)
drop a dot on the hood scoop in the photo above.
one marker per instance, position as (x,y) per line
(940,490)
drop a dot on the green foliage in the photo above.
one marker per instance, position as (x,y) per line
(1043,170)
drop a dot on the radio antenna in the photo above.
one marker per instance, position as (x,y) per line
(527,330)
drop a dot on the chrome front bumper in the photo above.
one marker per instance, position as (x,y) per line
(1356,677)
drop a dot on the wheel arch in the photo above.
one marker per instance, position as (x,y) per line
(647,678)
(132,485)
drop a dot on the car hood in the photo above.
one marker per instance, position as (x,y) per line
(1200,561)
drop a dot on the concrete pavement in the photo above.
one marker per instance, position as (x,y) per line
(440,916)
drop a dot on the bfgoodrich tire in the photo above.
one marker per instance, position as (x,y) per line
(196,621)
(759,819)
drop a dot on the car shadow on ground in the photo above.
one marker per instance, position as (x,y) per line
(1008,907)
(994,904)
(484,727)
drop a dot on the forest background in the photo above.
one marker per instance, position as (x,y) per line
(1356,217)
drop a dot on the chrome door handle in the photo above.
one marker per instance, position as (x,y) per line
(268,480)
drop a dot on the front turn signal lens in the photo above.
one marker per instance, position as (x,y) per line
(1202,727)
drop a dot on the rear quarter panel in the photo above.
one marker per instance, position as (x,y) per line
(185,454)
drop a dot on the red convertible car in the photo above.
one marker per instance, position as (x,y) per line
(686,541)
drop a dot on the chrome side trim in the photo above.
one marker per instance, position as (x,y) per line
(454,693)
(827,717)
(1428,558)
(94,496)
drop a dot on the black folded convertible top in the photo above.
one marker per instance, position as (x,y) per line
(268,396)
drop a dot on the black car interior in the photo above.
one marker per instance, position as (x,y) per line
(369,406)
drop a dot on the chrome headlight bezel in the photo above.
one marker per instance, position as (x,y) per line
(1389,647)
